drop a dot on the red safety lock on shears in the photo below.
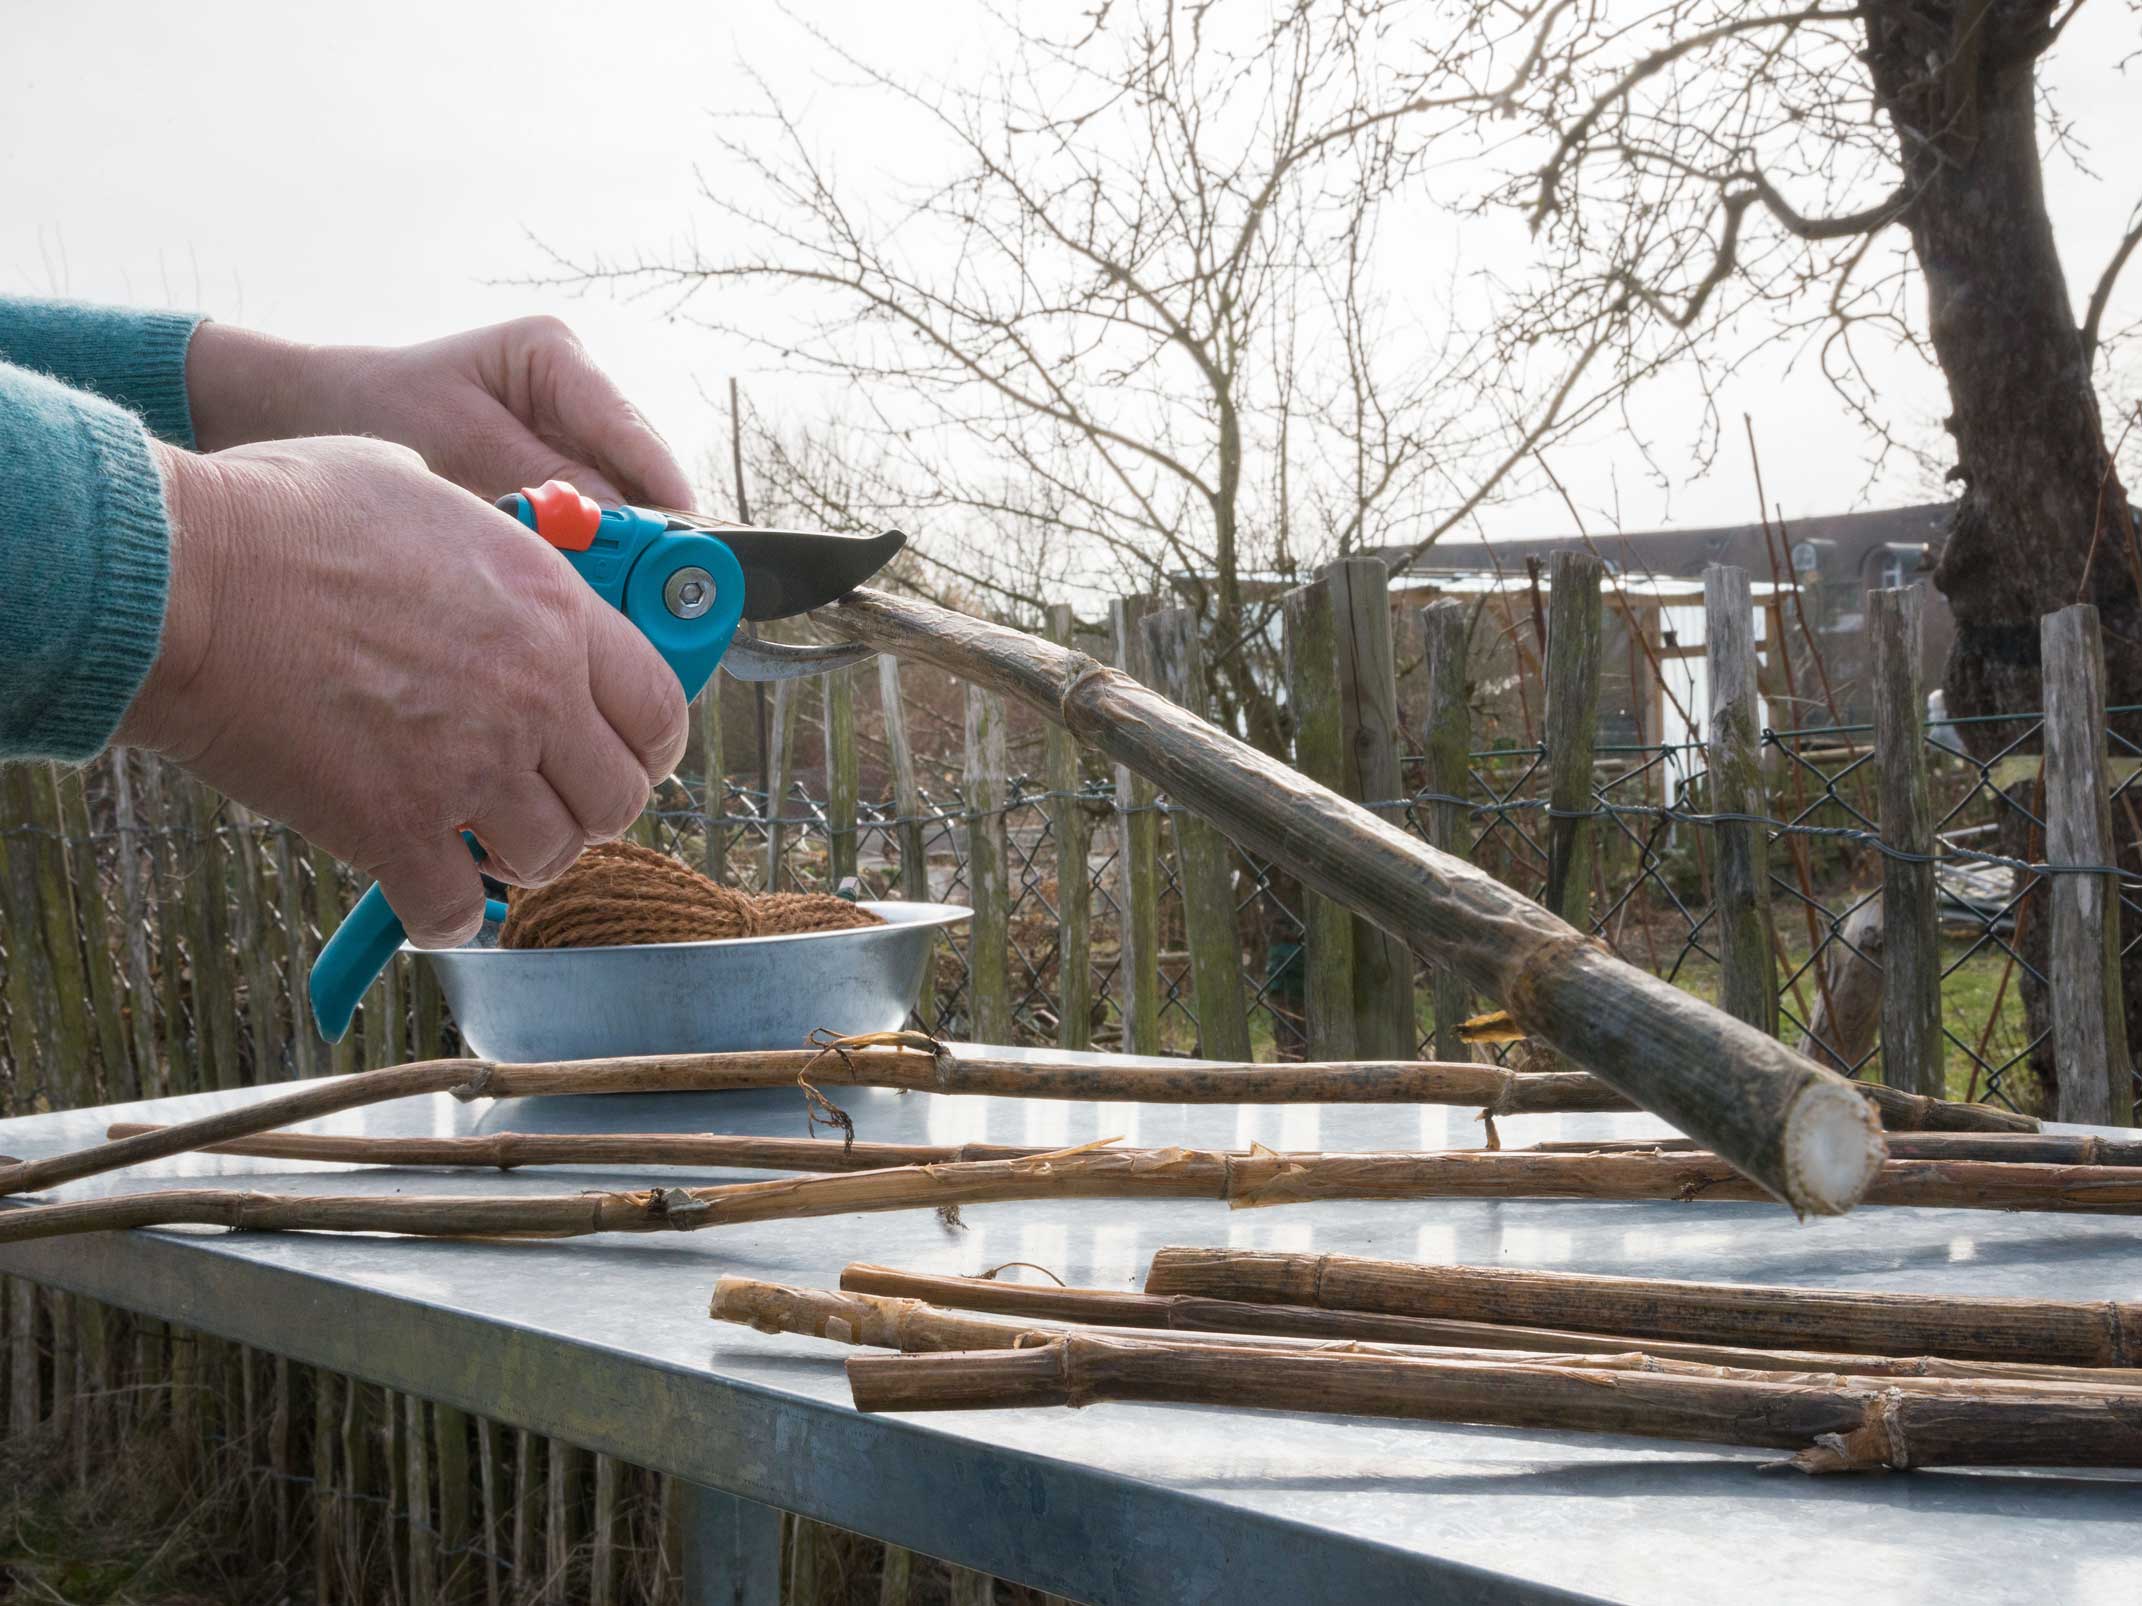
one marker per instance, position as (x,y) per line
(563,517)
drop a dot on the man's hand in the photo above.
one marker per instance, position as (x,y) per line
(492,410)
(356,647)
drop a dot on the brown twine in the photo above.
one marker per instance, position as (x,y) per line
(620,892)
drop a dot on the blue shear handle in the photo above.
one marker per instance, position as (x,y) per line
(351,960)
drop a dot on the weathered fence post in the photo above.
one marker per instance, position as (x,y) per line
(1735,754)
(1574,616)
(327,911)
(24,1410)
(907,796)
(841,778)
(787,693)
(602,1564)
(491,1531)
(988,870)
(416,1491)
(1320,754)
(1912,1049)
(32,989)
(85,877)
(2096,1082)
(251,937)
(298,951)
(1204,858)
(714,785)
(1384,1023)
(215,1018)
(527,1511)
(1073,830)
(69,1054)
(1446,737)
(450,1433)
(561,1522)
(1137,857)
(326,1529)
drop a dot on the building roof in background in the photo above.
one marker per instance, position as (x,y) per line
(1684,552)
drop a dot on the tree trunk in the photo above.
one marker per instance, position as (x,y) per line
(2042,521)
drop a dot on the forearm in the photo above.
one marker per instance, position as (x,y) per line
(84,566)
(137,359)
(247,387)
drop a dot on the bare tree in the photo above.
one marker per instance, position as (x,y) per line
(1709,175)
(1132,334)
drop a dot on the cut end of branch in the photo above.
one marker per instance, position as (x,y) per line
(1833,1148)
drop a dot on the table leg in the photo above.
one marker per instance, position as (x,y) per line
(732,1550)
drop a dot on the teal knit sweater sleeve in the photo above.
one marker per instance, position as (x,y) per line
(84,536)
(137,359)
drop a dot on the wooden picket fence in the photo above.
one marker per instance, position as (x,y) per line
(154,937)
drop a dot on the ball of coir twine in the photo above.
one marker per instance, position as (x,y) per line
(619,892)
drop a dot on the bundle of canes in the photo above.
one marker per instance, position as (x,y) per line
(1196,1316)
(1794,1128)
(1835,1421)
(908,1061)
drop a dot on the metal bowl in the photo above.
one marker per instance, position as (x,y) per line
(523,1004)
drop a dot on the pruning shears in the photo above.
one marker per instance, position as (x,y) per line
(687,582)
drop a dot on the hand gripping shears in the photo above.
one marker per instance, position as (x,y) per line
(687,582)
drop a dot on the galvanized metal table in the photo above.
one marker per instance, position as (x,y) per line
(606,1343)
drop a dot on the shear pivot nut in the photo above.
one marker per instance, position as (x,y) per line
(689,593)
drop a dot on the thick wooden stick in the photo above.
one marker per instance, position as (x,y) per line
(2069,1333)
(1837,1425)
(1798,1130)
(1243,1181)
(2029,1148)
(918,1325)
(1184,1314)
(1341,1082)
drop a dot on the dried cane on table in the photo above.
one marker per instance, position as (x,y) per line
(2068,1332)
(1242,1181)
(1837,1425)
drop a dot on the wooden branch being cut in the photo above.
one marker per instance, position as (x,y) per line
(2063,1332)
(1833,1425)
(1242,1181)
(1796,1129)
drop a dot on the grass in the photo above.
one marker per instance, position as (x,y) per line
(140,1531)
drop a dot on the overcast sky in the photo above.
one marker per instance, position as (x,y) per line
(372,173)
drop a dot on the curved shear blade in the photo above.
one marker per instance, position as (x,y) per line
(787,572)
(776,660)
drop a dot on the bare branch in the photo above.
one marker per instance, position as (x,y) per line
(2094,318)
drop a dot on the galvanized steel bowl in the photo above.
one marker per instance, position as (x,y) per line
(523,1004)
